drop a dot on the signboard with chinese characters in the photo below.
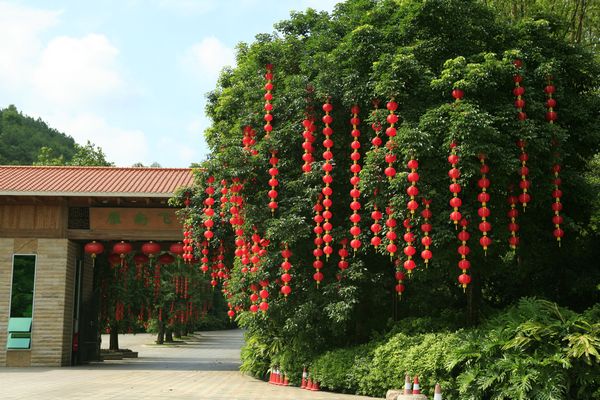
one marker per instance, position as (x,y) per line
(138,219)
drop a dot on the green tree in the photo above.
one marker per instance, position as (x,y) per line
(89,155)
(415,52)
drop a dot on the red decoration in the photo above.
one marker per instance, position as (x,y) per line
(249,138)
(409,249)
(518,91)
(309,128)
(484,212)
(286,266)
(464,279)
(551,116)
(209,212)
(151,249)
(188,249)
(273,171)
(177,249)
(318,252)
(376,215)
(122,249)
(355,180)
(343,253)
(454,174)
(426,229)
(93,248)
(400,277)
(513,226)
(391,232)
(390,157)
(327,179)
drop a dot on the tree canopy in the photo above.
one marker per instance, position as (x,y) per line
(416,52)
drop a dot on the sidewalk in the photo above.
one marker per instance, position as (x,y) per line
(205,369)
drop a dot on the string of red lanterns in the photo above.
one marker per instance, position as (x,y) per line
(464,279)
(376,227)
(273,171)
(412,205)
(309,138)
(355,179)
(286,278)
(390,157)
(318,252)
(249,138)
(557,206)
(426,241)
(519,91)
(327,179)
(409,249)
(484,212)
(390,234)
(209,212)
(343,253)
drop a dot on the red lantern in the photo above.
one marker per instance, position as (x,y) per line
(122,249)
(391,232)
(551,116)
(464,250)
(343,253)
(455,188)
(273,171)
(327,178)
(513,227)
(150,249)
(93,248)
(518,91)
(400,277)
(355,180)
(309,138)
(392,119)
(166,259)
(484,212)
(426,254)
(209,211)
(286,266)
(177,249)
(318,252)
(376,226)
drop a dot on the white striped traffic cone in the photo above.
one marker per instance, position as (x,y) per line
(407,385)
(416,387)
(437,394)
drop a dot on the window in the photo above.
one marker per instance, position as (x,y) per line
(21,302)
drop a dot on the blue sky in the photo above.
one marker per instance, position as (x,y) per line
(128,75)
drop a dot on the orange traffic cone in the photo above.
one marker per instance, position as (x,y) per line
(304,376)
(315,387)
(437,394)
(309,384)
(407,385)
(416,387)
(286,381)
(271,376)
(278,377)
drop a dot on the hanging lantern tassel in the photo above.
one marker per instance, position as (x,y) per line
(327,179)
(426,229)
(551,116)
(318,252)
(484,212)
(93,249)
(391,232)
(286,266)
(464,251)
(355,180)
(390,157)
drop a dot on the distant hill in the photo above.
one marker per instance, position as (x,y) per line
(28,141)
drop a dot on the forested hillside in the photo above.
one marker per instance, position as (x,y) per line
(26,141)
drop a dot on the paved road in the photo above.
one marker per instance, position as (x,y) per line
(205,369)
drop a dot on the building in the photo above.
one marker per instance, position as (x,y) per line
(47,214)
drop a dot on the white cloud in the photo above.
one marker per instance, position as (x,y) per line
(20,44)
(124,147)
(207,57)
(72,71)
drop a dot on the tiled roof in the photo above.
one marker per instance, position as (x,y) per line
(92,181)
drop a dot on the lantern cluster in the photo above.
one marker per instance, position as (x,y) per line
(209,211)
(249,138)
(327,179)
(454,174)
(390,157)
(318,251)
(409,249)
(309,128)
(286,278)
(426,241)
(483,198)
(376,227)
(224,200)
(390,234)
(400,277)
(343,253)
(273,171)
(264,295)
(464,279)
(551,116)
(513,214)
(412,205)
(355,180)
(205,259)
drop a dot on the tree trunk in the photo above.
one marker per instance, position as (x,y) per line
(177,333)
(169,335)
(114,338)
(160,337)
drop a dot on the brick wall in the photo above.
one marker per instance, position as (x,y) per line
(53,299)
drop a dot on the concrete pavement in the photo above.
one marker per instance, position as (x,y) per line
(204,368)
